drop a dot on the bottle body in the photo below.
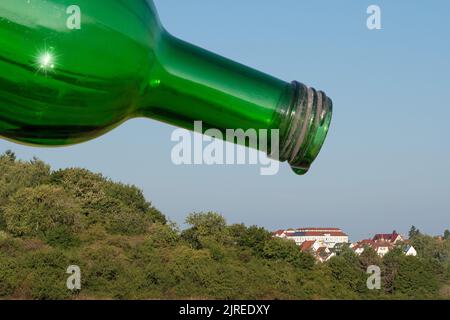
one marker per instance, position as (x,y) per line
(61,85)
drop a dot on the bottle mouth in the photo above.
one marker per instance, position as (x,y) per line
(306,126)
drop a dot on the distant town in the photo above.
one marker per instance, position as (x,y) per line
(325,243)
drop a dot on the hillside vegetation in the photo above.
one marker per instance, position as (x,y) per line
(127,249)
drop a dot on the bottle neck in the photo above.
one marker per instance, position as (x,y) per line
(190,84)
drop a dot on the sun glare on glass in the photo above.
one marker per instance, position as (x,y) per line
(45,61)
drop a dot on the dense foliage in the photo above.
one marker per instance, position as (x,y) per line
(127,249)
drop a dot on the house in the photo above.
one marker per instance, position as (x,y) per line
(410,251)
(393,237)
(383,247)
(325,243)
(359,250)
(328,237)
(321,252)
(308,245)
(382,243)
(279,233)
(360,246)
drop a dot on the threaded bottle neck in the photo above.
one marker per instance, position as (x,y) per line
(305,126)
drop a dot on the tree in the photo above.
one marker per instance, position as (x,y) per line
(205,226)
(126,249)
(415,278)
(9,155)
(133,198)
(447,234)
(348,274)
(253,237)
(164,235)
(36,211)
(348,254)
(20,174)
(288,251)
(369,257)
(391,265)
(413,232)
(16,175)
(119,208)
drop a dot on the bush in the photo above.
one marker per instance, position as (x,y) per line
(46,275)
(127,250)
(8,276)
(348,274)
(19,174)
(35,211)
(204,226)
(119,208)
(415,278)
(62,237)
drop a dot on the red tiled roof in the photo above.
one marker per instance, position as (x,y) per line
(322,252)
(311,232)
(364,243)
(322,233)
(306,245)
(319,229)
(385,236)
(373,244)
(278,232)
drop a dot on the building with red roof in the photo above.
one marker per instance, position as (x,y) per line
(393,237)
(327,237)
(382,243)
(307,245)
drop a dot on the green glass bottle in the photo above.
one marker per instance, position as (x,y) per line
(72,70)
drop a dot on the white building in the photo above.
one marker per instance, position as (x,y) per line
(383,248)
(327,237)
(382,243)
(410,251)
(321,252)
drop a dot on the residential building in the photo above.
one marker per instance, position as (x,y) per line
(325,243)
(383,247)
(321,252)
(328,237)
(410,251)
(393,237)
(382,243)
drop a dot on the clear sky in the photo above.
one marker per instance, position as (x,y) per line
(385,164)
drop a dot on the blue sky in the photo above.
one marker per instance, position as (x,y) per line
(385,164)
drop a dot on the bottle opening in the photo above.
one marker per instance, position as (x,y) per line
(306,123)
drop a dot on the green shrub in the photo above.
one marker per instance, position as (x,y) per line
(119,208)
(62,237)
(46,274)
(127,250)
(9,271)
(35,211)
